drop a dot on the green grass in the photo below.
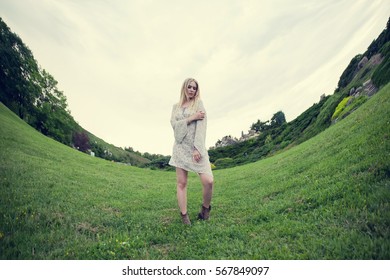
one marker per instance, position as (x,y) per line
(327,198)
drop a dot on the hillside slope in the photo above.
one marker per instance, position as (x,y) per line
(327,198)
(32,93)
(359,81)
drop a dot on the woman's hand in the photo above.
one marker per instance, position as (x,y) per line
(196,155)
(197,116)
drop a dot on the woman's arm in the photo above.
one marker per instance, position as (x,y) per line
(200,135)
(179,126)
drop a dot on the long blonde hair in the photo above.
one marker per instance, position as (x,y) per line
(183,98)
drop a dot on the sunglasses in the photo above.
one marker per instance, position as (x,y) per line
(189,87)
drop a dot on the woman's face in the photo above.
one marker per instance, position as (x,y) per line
(191,90)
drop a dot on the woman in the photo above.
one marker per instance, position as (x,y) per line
(189,122)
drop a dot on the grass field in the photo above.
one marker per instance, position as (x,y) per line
(327,198)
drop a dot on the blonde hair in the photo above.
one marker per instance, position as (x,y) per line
(183,98)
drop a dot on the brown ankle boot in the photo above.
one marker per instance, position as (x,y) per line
(185,219)
(204,213)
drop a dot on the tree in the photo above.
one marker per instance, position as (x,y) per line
(278,119)
(259,126)
(53,118)
(18,74)
(81,141)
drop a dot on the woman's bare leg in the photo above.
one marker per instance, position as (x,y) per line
(181,176)
(208,184)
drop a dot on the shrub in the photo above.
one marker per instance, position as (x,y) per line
(340,107)
(356,102)
(81,141)
(224,162)
(381,76)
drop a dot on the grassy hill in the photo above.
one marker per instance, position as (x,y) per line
(327,198)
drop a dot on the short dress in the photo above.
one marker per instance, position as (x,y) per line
(187,138)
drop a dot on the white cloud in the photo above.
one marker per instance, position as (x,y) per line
(121,63)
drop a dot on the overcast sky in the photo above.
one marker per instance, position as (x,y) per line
(121,64)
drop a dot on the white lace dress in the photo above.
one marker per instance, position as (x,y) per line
(188,137)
